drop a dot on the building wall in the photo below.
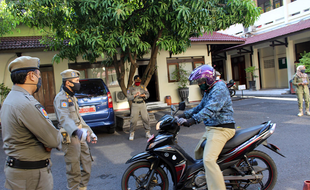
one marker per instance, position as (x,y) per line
(171,89)
(165,88)
(289,13)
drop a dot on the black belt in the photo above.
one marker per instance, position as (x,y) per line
(138,102)
(14,163)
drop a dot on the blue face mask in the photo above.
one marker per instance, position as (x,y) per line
(203,87)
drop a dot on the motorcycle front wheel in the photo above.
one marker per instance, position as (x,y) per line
(137,175)
(232,92)
(263,165)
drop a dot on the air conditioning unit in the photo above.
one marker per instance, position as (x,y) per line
(120,97)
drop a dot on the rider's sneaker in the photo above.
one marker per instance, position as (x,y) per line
(131,136)
(148,134)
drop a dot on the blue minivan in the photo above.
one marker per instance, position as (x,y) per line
(96,105)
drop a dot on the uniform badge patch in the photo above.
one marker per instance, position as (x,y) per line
(128,91)
(42,110)
(64,104)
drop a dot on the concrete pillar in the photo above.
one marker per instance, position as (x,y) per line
(290,56)
(228,67)
(262,68)
(285,6)
(276,66)
(256,64)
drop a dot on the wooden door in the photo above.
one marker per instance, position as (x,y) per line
(238,69)
(46,94)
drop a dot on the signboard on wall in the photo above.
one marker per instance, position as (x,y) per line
(282,63)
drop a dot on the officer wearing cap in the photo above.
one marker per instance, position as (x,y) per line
(27,132)
(76,133)
(138,93)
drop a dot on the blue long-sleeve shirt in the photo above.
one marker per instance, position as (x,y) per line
(215,108)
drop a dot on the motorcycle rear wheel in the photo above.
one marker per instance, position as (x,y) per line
(136,176)
(259,159)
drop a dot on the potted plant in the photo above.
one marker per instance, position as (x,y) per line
(181,76)
(252,76)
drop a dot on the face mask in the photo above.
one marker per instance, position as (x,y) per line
(137,83)
(217,78)
(76,86)
(39,84)
(203,87)
(303,71)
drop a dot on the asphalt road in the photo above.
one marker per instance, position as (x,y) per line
(291,136)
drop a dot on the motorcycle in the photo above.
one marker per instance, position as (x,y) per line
(231,87)
(241,164)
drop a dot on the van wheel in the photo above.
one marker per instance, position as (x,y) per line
(111,129)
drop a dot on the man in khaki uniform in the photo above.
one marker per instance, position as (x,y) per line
(27,132)
(138,93)
(75,131)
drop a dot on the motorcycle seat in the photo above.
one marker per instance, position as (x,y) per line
(240,137)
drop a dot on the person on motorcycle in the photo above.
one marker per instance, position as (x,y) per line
(218,75)
(215,110)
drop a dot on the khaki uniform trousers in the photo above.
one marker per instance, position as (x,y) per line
(32,179)
(78,163)
(135,111)
(216,140)
(303,94)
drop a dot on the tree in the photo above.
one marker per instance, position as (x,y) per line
(125,30)
(305,60)
(7,21)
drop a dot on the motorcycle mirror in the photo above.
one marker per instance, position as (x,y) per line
(182,106)
(172,108)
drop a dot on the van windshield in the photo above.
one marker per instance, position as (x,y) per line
(91,88)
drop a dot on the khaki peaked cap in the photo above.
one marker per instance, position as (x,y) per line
(70,73)
(24,62)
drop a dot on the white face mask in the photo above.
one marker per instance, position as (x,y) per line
(217,78)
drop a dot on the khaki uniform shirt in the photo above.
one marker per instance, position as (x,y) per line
(67,113)
(300,88)
(134,89)
(26,128)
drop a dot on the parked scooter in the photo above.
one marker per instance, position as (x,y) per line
(231,87)
(242,165)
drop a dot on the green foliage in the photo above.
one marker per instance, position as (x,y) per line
(4,91)
(251,71)
(181,75)
(127,30)
(7,21)
(305,60)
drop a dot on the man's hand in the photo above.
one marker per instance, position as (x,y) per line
(93,138)
(48,149)
(186,122)
(137,94)
(142,95)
